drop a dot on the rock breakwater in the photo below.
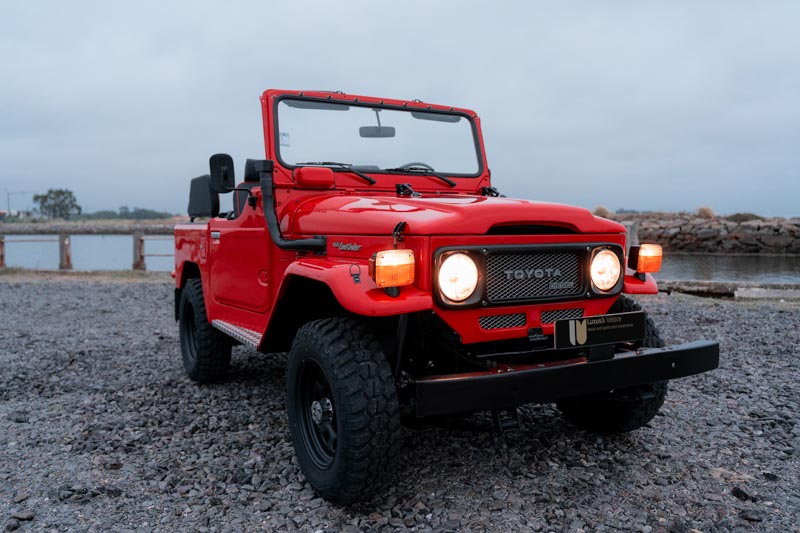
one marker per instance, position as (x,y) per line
(688,232)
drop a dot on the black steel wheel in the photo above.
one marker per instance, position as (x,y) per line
(622,410)
(206,351)
(343,411)
(316,409)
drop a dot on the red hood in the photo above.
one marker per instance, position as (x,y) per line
(437,215)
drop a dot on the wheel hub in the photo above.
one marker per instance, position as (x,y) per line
(321,411)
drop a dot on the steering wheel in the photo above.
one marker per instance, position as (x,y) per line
(417,164)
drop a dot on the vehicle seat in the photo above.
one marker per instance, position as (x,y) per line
(203,201)
(250,181)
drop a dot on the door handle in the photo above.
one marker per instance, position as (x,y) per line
(215,235)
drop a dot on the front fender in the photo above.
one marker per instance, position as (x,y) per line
(634,285)
(361,297)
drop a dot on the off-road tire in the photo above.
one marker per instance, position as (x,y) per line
(624,410)
(206,351)
(366,412)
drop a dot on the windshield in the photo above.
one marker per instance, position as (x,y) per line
(375,138)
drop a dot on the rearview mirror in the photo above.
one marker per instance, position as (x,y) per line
(376,132)
(222,177)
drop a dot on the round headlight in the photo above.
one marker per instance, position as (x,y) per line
(605,270)
(458,277)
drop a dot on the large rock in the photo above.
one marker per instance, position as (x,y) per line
(779,242)
(745,238)
(707,233)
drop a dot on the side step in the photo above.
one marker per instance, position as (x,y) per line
(245,336)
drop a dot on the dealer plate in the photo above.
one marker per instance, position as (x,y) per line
(603,329)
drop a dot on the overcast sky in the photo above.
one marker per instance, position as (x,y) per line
(633,105)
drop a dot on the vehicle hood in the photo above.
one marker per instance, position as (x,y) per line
(437,215)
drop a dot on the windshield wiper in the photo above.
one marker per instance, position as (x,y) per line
(344,166)
(422,170)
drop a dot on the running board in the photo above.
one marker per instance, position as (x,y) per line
(245,336)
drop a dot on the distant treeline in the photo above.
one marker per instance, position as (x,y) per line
(124,213)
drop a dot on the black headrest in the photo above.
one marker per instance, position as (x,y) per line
(203,202)
(250,171)
(253,167)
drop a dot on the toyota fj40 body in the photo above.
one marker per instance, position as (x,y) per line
(371,245)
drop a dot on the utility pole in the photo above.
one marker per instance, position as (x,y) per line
(9,194)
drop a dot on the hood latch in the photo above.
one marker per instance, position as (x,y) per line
(491,191)
(404,189)
(397,233)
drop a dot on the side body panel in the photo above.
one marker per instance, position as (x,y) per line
(239,262)
(190,248)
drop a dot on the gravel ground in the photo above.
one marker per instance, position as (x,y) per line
(101,431)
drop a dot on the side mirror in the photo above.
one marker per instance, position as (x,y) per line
(314,178)
(222,177)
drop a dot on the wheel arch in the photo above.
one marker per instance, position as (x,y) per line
(188,270)
(300,300)
(315,288)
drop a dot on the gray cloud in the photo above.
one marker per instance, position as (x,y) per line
(639,105)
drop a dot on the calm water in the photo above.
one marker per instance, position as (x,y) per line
(89,252)
(764,269)
(115,252)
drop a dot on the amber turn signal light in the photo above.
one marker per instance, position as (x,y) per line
(392,268)
(645,258)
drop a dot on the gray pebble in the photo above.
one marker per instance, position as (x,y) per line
(23,515)
(117,437)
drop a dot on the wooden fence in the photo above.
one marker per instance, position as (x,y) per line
(35,233)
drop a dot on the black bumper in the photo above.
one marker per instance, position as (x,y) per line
(464,393)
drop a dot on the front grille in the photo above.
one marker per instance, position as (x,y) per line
(514,276)
(502,321)
(561,314)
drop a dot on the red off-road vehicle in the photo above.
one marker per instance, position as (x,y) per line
(371,245)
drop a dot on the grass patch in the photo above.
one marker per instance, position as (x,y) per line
(743,217)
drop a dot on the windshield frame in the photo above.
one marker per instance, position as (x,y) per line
(422,108)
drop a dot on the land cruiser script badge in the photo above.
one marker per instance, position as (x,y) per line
(540,273)
(347,246)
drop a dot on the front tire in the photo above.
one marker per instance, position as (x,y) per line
(343,411)
(206,351)
(624,410)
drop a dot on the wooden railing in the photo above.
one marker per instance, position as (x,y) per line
(62,233)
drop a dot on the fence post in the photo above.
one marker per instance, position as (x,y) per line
(2,251)
(138,251)
(64,252)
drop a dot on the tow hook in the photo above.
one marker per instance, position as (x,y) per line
(645,394)
(505,420)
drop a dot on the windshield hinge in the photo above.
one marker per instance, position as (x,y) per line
(404,189)
(491,191)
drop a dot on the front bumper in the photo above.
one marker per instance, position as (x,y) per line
(511,386)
